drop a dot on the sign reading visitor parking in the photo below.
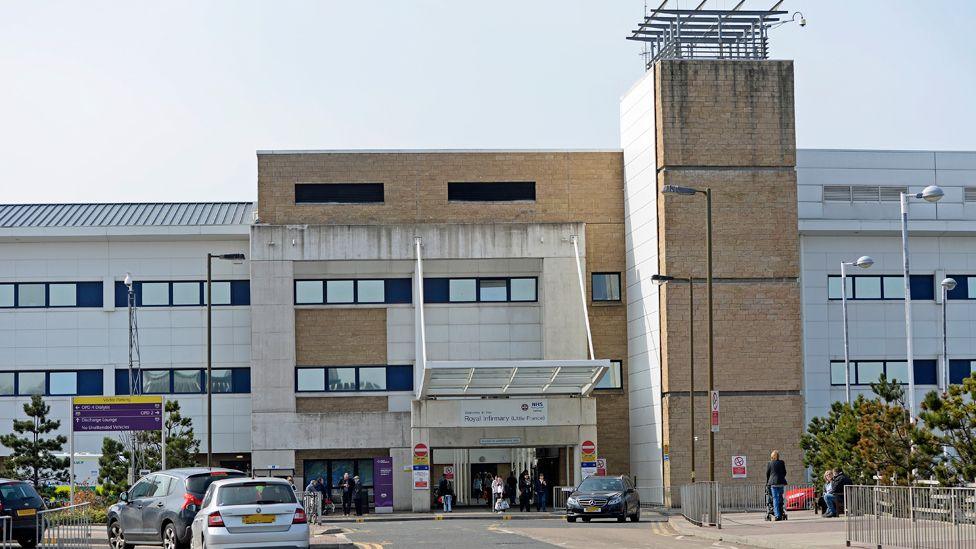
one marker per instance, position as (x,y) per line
(117,413)
(739,465)
(504,413)
(714,411)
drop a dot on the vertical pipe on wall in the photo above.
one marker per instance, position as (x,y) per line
(582,284)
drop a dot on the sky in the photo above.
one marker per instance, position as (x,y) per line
(104,101)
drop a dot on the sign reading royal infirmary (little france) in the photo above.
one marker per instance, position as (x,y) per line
(505,413)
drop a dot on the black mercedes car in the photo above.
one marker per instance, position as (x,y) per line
(604,497)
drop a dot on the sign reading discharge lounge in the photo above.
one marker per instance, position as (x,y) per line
(504,413)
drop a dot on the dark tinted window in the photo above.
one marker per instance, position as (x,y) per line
(345,193)
(601,484)
(198,484)
(261,493)
(18,493)
(502,191)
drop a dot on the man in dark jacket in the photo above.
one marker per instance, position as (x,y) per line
(776,481)
(445,491)
(348,487)
(511,485)
(836,495)
(358,495)
(525,492)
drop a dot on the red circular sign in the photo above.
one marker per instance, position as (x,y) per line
(420,450)
(588,447)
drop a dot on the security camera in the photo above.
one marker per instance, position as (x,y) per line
(803,21)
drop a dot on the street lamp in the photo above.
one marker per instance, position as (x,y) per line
(863,262)
(932,193)
(948,284)
(661,280)
(210,258)
(688,191)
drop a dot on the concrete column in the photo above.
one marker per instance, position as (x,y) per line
(564,332)
(420,498)
(587,432)
(402,479)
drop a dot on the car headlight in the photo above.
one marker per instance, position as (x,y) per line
(615,499)
(572,501)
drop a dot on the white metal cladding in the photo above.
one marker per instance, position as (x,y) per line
(131,214)
(459,378)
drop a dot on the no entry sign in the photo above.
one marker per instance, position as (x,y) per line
(421,450)
(117,413)
(588,448)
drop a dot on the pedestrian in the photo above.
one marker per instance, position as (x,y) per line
(828,493)
(837,484)
(312,487)
(776,481)
(476,488)
(445,491)
(358,494)
(541,493)
(486,489)
(291,482)
(346,486)
(511,488)
(498,493)
(525,492)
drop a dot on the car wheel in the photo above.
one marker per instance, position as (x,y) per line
(27,543)
(636,516)
(586,519)
(570,519)
(170,541)
(116,537)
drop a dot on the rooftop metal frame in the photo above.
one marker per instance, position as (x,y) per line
(706,33)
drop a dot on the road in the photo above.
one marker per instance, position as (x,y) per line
(522,533)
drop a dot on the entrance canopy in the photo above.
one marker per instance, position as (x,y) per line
(463,378)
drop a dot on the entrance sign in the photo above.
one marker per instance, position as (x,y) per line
(117,413)
(511,441)
(739,465)
(714,400)
(504,413)
(383,484)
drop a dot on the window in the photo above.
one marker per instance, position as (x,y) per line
(960,370)
(875,287)
(492,290)
(30,295)
(342,379)
(220,292)
(154,293)
(522,289)
(610,379)
(372,379)
(159,486)
(496,191)
(462,290)
(142,488)
(62,295)
(865,372)
(223,381)
(186,293)
(309,291)
(338,193)
(606,286)
(345,379)
(6,295)
(965,287)
(183,381)
(31,383)
(862,193)
(187,381)
(6,383)
(370,291)
(63,383)
(155,381)
(331,471)
(339,291)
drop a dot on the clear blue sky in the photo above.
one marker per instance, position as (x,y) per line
(137,100)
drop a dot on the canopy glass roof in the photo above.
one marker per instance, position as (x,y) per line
(460,378)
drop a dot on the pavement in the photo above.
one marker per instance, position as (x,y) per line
(457,514)
(803,530)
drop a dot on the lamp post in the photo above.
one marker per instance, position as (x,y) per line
(863,262)
(948,284)
(662,280)
(674,189)
(932,193)
(210,258)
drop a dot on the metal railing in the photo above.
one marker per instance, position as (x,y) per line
(699,503)
(66,527)
(751,498)
(559,496)
(6,532)
(911,517)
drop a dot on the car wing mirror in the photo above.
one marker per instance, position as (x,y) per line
(124,497)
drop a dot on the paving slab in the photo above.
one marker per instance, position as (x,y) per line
(803,530)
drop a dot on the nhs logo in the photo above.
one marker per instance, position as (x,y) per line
(538,406)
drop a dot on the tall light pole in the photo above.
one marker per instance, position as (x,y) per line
(661,280)
(674,189)
(932,193)
(863,262)
(210,258)
(948,284)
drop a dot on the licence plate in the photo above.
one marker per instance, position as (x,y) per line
(259,519)
(591,510)
(26,512)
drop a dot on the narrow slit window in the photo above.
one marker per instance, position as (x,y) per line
(338,193)
(493,191)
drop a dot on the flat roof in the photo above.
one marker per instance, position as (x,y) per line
(261,152)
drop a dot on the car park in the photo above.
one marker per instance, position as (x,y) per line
(251,513)
(604,497)
(21,502)
(159,509)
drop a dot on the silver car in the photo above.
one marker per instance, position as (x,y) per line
(250,512)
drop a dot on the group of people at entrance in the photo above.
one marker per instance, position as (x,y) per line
(352,491)
(502,493)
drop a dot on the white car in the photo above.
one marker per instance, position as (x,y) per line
(250,512)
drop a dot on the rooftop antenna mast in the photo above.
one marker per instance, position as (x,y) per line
(135,365)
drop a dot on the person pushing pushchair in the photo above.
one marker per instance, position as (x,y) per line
(775,485)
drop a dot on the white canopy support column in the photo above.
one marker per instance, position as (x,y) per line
(420,332)
(582,284)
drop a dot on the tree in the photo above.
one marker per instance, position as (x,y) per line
(113,467)
(32,457)
(953,416)
(894,447)
(181,445)
(831,442)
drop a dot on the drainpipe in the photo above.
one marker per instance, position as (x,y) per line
(586,317)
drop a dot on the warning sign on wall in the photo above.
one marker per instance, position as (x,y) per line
(739,467)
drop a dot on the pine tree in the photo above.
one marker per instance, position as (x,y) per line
(32,456)
(181,445)
(113,467)
(831,443)
(953,416)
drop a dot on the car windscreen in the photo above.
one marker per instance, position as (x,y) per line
(198,484)
(255,493)
(18,494)
(596,484)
